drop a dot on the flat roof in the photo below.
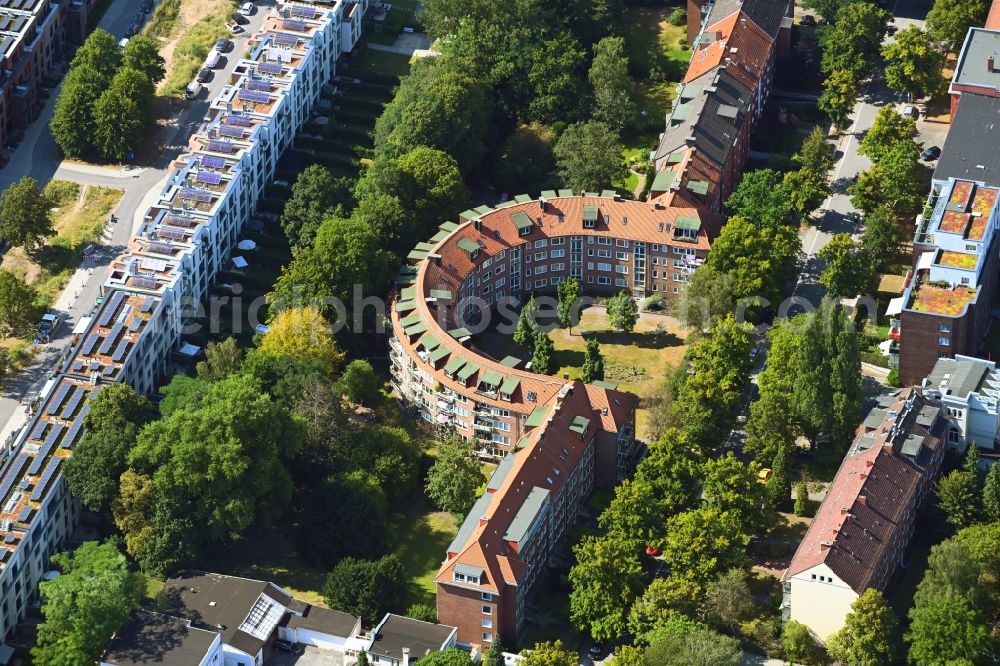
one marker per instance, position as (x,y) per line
(396,632)
(972,69)
(970,151)
(155,638)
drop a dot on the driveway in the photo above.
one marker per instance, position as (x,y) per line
(312,656)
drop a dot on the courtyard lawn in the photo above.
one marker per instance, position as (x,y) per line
(422,539)
(658,59)
(636,361)
(382,62)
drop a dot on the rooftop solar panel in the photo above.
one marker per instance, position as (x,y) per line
(108,370)
(95,365)
(88,345)
(74,430)
(13,474)
(112,308)
(172,234)
(57,400)
(162,248)
(120,350)
(294,25)
(256,84)
(285,40)
(116,330)
(144,282)
(178,220)
(10,538)
(147,304)
(135,324)
(191,194)
(255,96)
(39,429)
(220,146)
(238,121)
(53,435)
(74,402)
(270,68)
(209,162)
(304,12)
(209,177)
(232,133)
(25,514)
(43,483)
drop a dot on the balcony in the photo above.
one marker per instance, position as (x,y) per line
(481,427)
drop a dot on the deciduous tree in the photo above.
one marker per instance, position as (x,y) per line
(608,76)
(541,355)
(868,637)
(816,154)
(568,310)
(315,193)
(947,630)
(913,64)
(622,311)
(760,259)
(798,643)
(552,75)
(956,494)
(761,198)
(728,599)
(702,646)
(606,579)
(121,114)
(365,588)
(991,494)
(731,486)
(302,333)
(881,236)
(25,220)
(665,603)
(811,389)
(949,21)
(221,360)
(527,324)
(839,95)
(454,479)
(704,542)
(361,383)
(593,362)
(143,53)
(549,653)
(17,303)
(341,504)
(854,42)
(589,156)
(888,129)
(773,422)
(848,270)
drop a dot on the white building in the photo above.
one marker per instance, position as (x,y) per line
(969,389)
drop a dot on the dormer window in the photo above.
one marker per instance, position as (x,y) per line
(523,223)
(590,216)
(466,573)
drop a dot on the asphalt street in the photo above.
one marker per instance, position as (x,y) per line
(39,157)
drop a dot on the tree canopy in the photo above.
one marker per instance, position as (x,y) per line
(606,579)
(25,220)
(868,637)
(315,193)
(949,21)
(913,64)
(854,42)
(453,480)
(761,198)
(589,156)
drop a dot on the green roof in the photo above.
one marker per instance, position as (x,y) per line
(491,377)
(447,226)
(579,424)
(663,181)
(608,194)
(522,198)
(675,157)
(454,364)
(416,329)
(467,215)
(686,222)
(469,370)
(410,321)
(521,443)
(429,342)
(439,354)
(511,361)
(698,187)
(522,220)
(408,294)
(536,417)
(590,213)
(592,195)
(405,306)
(527,514)
(408,270)
(600,383)
(681,112)
(468,245)
(424,246)
(482,210)
(566,193)
(506,204)
(548,194)
(459,333)
(417,255)
(509,385)
(439,236)
(441,294)
(405,279)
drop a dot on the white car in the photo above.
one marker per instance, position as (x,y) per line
(212,61)
(246,9)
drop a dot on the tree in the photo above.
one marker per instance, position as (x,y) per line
(549,653)
(704,542)
(527,324)
(100,53)
(956,494)
(894,182)
(728,599)
(608,76)
(707,296)
(888,129)
(816,154)
(85,605)
(605,580)
(568,292)
(947,630)
(868,637)
(759,259)
(627,655)
(221,360)
(552,75)
(72,122)
(802,507)
(798,643)
(848,270)
(779,485)
(839,95)
(991,494)
(525,160)
(362,659)
(112,425)
(593,362)
(701,646)
(913,64)
(315,192)
(25,220)
(881,237)
(360,503)
(622,311)
(589,156)
(143,53)
(761,198)
(121,116)
(956,566)
(361,383)
(541,355)
(730,485)
(365,588)
(949,21)
(302,333)
(450,657)
(388,454)
(828,9)
(806,190)
(846,382)
(494,656)
(971,462)
(454,479)
(811,389)
(17,302)
(854,42)
(665,602)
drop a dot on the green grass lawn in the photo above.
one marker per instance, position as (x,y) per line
(382,62)
(422,537)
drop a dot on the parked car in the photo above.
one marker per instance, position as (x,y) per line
(234,28)
(212,61)
(288,646)
(247,9)
(911,111)
(763,475)
(49,324)
(930,154)
(595,651)
(204,75)
(652,551)
(240,18)
(223,45)
(193,89)
(808,20)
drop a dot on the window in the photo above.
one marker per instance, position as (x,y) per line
(590,252)
(487,596)
(971,247)
(487,610)
(603,240)
(603,279)
(541,256)
(604,267)
(944,328)
(620,282)
(487,624)
(588,224)
(590,240)
(539,283)
(561,240)
(944,341)
(604,254)
(554,281)
(814,576)
(590,279)
(557,254)
(487,638)
(500,282)
(953,436)
(590,265)
(621,243)
(541,243)
(558,266)
(527,272)
(622,270)
(965,280)
(541,269)
(501,439)
(460,577)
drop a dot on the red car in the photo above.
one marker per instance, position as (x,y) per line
(651,551)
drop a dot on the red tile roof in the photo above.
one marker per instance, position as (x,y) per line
(993,19)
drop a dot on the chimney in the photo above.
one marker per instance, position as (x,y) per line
(718,35)
(990,62)
(862,500)
(824,545)
(483,520)
(406,656)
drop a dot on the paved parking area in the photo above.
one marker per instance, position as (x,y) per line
(311,657)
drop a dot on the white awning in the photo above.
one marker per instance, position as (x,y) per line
(247,244)
(188,349)
(240,262)
(895,307)
(82,325)
(885,346)
(926,260)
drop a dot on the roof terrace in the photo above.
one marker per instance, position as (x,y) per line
(113,334)
(941,299)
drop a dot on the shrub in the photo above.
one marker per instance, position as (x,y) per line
(893,378)
(654,302)
(678,17)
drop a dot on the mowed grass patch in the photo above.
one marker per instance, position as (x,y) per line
(658,59)
(381,62)
(422,539)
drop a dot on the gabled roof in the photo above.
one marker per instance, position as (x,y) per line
(766,14)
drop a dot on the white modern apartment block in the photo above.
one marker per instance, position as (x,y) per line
(968,388)
(150,292)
